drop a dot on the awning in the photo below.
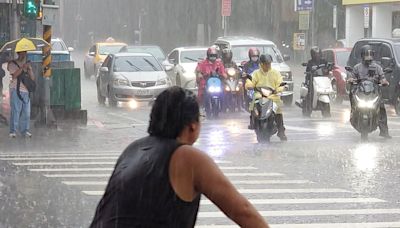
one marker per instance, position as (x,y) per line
(359,2)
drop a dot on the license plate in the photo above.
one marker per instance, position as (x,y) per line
(143,92)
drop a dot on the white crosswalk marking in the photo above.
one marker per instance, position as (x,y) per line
(292,199)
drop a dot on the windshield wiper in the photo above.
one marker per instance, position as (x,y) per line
(193,60)
(151,64)
(133,65)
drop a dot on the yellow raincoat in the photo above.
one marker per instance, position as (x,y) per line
(272,79)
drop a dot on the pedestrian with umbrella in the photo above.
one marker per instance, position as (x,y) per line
(21,83)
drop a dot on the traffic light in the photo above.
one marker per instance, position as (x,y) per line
(31,8)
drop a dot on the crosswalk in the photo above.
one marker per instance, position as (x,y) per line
(283,201)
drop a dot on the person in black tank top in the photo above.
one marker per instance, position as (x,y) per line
(158,180)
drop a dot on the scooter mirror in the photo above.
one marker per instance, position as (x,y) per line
(348,68)
(304,64)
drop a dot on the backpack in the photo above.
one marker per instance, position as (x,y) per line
(26,80)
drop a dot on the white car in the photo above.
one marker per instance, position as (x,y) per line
(60,52)
(240,46)
(181,64)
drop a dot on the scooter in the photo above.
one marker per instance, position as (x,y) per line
(317,93)
(264,113)
(233,90)
(366,99)
(213,96)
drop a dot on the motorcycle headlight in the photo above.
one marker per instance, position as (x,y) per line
(231,72)
(237,88)
(287,75)
(227,88)
(366,104)
(120,81)
(344,76)
(161,82)
(214,89)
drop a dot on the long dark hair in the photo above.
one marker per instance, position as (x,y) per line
(173,109)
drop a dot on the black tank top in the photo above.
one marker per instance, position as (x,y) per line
(139,193)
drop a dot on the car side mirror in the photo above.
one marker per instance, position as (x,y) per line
(304,64)
(104,69)
(173,61)
(286,58)
(70,49)
(92,53)
(167,65)
(349,69)
(386,61)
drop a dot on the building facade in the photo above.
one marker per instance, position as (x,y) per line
(371,18)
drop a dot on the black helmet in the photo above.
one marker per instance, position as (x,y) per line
(315,52)
(266,58)
(227,55)
(367,54)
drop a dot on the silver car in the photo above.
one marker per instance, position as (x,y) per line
(181,64)
(127,77)
(240,46)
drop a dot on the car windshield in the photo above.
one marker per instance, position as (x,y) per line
(192,56)
(109,49)
(136,63)
(342,57)
(58,46)
(154,51)
(241,53)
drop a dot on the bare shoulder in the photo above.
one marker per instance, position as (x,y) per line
(191,154)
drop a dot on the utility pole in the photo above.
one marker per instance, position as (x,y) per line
(15,28)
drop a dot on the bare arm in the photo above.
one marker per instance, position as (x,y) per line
(210,181)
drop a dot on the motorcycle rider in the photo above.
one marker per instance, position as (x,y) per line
(204,70)
(248,68)
(227,57)
(316,60)
(266,76)
(363,70)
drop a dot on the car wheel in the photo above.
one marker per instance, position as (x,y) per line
(101,99)
(288,100)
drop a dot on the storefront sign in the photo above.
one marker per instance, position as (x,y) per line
(366,17)
(299,41)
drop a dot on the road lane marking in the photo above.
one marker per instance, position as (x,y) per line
(319,225)
(289,213)
(128,118)
(308,201)
(59,158)
(107,175)
(102,183)
(112,168)
(258,191)
(77,163)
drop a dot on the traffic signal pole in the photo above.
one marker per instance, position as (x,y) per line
(47,115)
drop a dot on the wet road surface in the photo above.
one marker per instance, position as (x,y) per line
(324,176)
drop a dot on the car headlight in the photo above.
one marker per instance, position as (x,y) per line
(214,89)
(287,75)
(343,75)
(163,81)
(119,81)
(366,104)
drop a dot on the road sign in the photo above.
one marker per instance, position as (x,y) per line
(50,14)
(304,5)
(299,41)
(304,20)
(334,17)
(366,17)
(226,8)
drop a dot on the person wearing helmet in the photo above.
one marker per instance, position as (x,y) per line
(227,57)
(253,63)
(205,68)
(20,104)
(266,76)
(316,60)
(363,70)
